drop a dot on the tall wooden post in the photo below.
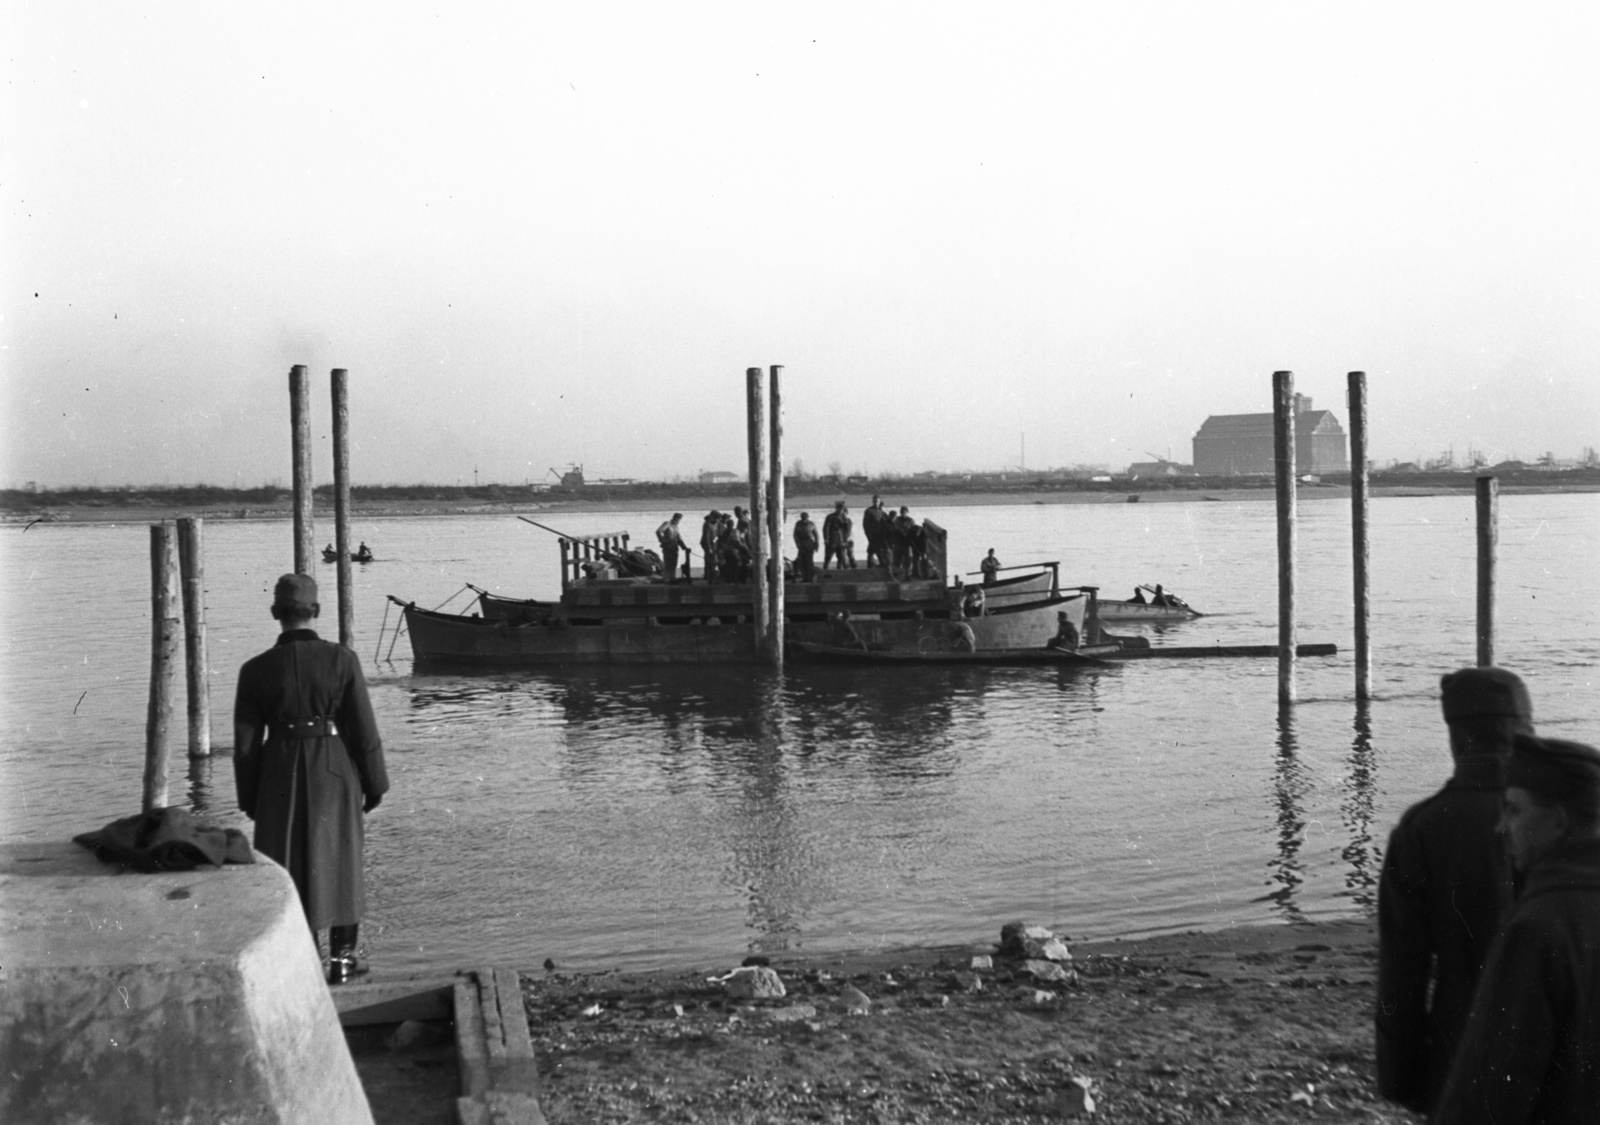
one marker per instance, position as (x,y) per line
(340,382)
(305,533)
(1360,549)
(776,518)
(1283,425)
(756,404)
(164,640)
(191,564)
(1488,540)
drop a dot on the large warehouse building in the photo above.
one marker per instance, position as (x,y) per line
(1240,444)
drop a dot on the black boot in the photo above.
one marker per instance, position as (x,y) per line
(343,965)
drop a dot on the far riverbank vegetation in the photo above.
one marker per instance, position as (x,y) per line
(43,503)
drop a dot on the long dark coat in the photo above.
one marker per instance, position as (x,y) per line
(305,793)
(1444,890)
(1531,1052)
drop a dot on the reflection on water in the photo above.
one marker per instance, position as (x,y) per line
(1362,861)
(1290,784)
(201,796)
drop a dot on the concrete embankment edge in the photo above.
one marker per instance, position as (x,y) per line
(190,996)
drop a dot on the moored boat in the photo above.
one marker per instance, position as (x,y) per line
(648,620)
(1040,580)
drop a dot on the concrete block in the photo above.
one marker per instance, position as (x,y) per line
(193,996)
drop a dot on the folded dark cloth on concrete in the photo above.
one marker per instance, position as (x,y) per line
(169,839)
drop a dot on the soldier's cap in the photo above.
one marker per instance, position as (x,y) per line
(295,591)
(1556,771)
(838,503)
(1484,691)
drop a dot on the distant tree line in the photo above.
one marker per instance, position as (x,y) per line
(269,497)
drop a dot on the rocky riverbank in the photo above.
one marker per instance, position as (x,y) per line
(1259,1024)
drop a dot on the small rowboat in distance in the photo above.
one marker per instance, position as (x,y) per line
(1170,607)
(362,556)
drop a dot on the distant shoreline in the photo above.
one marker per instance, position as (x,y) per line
(107,510)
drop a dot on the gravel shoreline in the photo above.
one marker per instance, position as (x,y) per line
(1254,1024)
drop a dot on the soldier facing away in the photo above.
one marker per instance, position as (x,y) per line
(1530,1054)
(308,765)
(1444,890)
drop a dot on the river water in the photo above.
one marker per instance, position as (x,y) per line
(640,818)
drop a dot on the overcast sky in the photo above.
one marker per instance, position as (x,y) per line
(542,234)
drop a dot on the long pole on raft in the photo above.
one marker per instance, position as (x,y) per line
(164,640)
(339,381)
(756,406)
(1283,424)
(1360,547)
(300,444)
(191,567)
(1488,539)
(776,519)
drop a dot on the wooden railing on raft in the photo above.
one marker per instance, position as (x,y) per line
(577,550)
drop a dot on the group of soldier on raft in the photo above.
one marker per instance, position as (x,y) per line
(895,541)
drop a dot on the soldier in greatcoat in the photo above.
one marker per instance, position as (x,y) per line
(874,525)
(308,764)
(805,545)
(1530,1054)
(1444,890)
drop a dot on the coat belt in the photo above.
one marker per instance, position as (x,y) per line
(305,728)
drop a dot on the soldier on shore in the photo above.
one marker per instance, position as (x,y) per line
(308,765)
(1531,1048)
(1444,890)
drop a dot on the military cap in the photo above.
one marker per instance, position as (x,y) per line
(295,591)
(1484,691)
(1556,771)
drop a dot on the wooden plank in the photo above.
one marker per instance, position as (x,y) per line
(362,1005)
(493,1033)
(513,1013)
(515,1071)
(472,1053)
(1221,650)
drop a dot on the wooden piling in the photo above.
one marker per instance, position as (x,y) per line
(776,519)
(1360,548)
(340,384)
(1283,426)
(191,566)
(1488,540)
(165,601)
(756,405)
(305,532)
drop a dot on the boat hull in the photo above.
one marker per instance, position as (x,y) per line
(1144,611)
(1019,590)
(453,640)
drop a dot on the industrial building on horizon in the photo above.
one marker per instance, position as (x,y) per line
(1242,444)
